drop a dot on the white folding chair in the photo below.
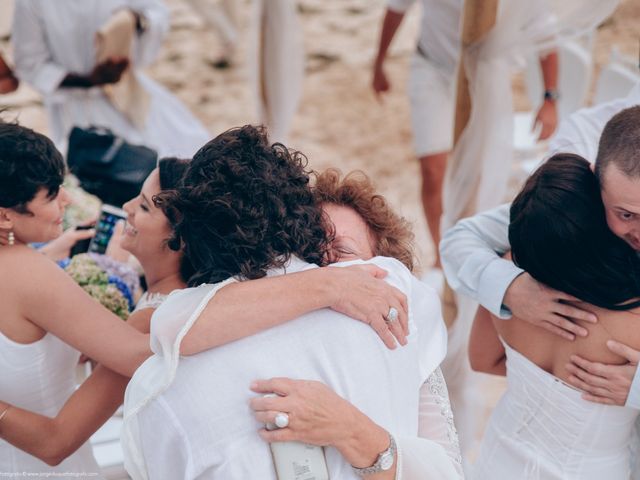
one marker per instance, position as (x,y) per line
(617,78)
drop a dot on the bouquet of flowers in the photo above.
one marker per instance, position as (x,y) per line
(112,291)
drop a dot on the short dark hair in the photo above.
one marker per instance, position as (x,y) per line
(171,172)
(620,144)
(245,206)
(392,233)
(559,235)
(29,161)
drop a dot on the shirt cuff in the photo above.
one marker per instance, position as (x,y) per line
(49,78)
(494,281)
(633,399)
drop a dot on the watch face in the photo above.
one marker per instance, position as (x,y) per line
(386,461)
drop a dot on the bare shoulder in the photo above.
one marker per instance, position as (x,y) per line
(623,326)
(22,262)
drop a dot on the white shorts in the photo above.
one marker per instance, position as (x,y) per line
(432,96)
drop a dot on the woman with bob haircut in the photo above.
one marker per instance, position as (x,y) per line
(542,427)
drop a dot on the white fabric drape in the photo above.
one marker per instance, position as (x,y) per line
(484,150)
(480,164)
(278,65)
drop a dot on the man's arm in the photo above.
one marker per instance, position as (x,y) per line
(547,116)
(471,258)
(608,384)
(471,261)
(392,20)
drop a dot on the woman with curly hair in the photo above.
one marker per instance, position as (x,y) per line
(363,225)
(244,207)
(353,200)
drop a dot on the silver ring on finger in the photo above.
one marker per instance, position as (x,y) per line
(281,420)
(392,316)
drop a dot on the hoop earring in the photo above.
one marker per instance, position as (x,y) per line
(11,238)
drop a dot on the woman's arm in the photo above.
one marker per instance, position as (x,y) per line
(321,417)
(486,352)
(245,308)
(49,298)
(91,405)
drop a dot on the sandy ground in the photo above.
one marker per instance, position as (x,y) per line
(339,122)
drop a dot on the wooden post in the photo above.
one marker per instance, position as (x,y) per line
(478,17)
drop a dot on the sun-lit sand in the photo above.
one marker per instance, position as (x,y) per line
(339,122)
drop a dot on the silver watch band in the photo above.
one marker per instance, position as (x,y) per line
(383,463)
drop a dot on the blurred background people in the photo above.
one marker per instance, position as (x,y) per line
(55,45)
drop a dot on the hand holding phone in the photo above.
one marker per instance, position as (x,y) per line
(109,216)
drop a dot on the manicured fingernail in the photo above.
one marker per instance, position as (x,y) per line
(253,385)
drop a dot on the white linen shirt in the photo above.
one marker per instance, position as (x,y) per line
(440,30)
(471,251)
(201,425)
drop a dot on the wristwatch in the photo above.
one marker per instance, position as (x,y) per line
(551,95)
(383,463)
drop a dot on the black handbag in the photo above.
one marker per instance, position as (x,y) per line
(108,166)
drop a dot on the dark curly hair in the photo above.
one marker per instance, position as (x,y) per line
(392,233)
(29,161)
(558,233)
(171,171)
(245,206)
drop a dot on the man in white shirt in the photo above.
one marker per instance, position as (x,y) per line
(432,91)
(471,250)
(245,209)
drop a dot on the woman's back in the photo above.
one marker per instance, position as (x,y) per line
(542,428)
(552,353)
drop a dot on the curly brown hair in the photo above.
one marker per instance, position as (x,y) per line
(245,206)
(392,233)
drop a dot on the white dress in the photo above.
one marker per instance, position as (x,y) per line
(40,377)
(54,38)
(543,430)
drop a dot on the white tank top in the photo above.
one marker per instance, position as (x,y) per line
(40,377)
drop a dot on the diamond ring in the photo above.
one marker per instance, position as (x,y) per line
(392,316)
(281,420)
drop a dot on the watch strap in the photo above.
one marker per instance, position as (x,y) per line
(379,466)
(551,95)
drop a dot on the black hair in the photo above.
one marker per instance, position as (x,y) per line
(620,144)
(171,171)
(245,206)
(29,161)
(559,235)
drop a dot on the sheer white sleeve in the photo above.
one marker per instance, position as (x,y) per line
(435,453)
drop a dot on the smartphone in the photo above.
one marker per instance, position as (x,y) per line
(296,460)
(109,216)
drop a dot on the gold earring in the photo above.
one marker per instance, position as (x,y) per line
(12,238)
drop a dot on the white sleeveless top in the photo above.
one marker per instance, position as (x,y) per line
(543,429)
(40,377)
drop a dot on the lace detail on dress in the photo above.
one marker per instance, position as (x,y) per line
(438,388)
(150,300)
